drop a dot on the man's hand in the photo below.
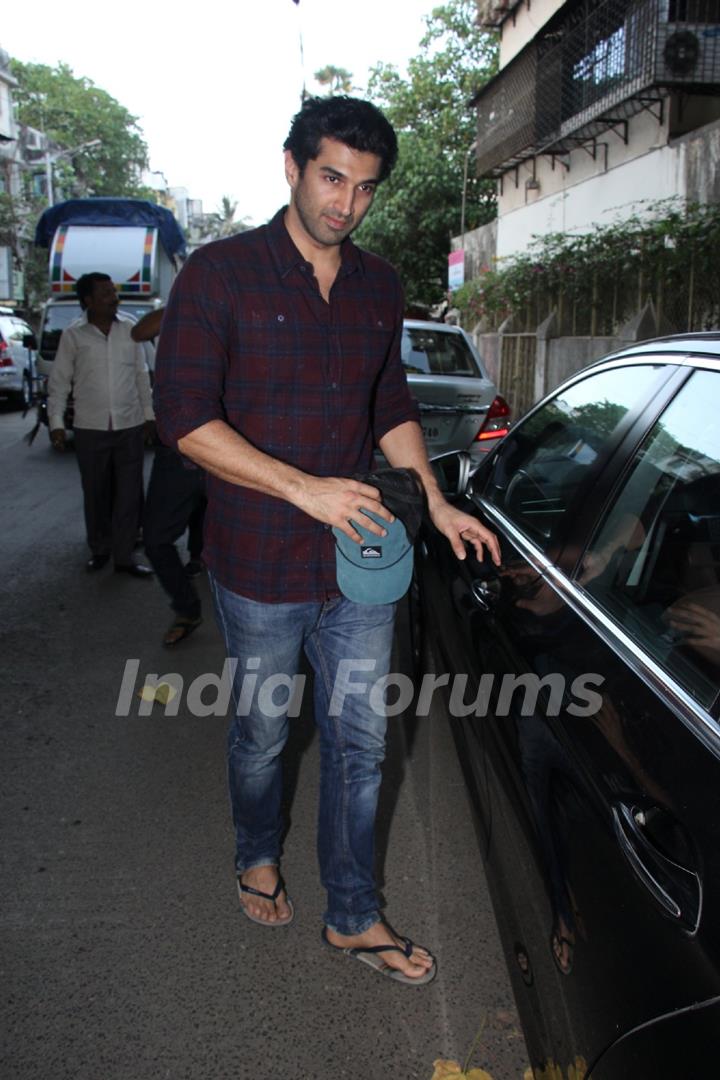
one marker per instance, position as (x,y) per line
(150,435)
(697,626)
(459,527)
(335,501)
(57,439)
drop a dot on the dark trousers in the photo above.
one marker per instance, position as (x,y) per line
(111,468)
(175,495)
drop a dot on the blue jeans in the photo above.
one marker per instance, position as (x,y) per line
(349,647)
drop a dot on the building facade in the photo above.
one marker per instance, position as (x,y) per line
(600,112)
(597,110)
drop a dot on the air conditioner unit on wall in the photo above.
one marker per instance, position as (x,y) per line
(688,54)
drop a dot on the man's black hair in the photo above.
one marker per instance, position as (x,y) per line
(85,285)
(352,121)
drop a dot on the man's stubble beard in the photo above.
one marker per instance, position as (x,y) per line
(329,238)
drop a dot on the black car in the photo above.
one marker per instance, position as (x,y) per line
(584,694)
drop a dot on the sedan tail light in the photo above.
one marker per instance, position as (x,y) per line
(497,421)
(5,357)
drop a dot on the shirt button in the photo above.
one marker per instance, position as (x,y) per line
(281,318)
(334,385)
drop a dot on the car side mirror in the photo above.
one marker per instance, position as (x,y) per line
(452,472)
(29,341)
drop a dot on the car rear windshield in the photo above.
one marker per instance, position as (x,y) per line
(13,328)
(437,352)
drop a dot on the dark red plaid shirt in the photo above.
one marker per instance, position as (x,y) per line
(248,339)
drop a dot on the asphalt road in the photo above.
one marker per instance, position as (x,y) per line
(124,956)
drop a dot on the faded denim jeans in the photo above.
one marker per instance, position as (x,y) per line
(349,647)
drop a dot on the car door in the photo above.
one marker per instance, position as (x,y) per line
(599,857)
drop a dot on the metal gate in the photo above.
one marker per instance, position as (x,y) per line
(517,371)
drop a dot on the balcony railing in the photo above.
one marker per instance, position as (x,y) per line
(590,69)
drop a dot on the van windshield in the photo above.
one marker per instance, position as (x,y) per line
(58,316)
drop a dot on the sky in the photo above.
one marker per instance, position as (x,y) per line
(214,86)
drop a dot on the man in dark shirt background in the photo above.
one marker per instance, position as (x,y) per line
(278,372)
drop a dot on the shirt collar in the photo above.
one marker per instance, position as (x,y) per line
(82,319)
(286,255)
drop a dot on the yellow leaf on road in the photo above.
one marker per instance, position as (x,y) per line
(451,1070)
(163,692)
(445,1069)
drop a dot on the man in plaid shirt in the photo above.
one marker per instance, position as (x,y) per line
(279,372)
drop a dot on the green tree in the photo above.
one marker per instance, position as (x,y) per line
(338,80)
(222,222)
(418,209)
(71,111)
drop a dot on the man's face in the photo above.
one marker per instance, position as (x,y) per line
(335,191)
(103,300)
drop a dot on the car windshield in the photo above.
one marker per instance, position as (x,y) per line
(437,352)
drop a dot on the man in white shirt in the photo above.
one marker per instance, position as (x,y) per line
(98,361)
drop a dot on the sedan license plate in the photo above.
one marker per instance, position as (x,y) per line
(436,430)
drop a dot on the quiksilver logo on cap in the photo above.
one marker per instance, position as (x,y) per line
(371,553)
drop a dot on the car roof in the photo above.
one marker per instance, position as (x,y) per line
(430,324)
(703,344)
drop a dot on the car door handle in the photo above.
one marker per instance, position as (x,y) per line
(677,889)
(485,592)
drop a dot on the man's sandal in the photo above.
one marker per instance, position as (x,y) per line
(180,628)
(372,957)
(266,896)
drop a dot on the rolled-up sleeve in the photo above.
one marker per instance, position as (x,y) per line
(142,382)
(193,351)
(393,404)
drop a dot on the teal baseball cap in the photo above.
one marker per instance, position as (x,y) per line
(377,571)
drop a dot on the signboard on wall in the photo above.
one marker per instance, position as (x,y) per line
(456,270)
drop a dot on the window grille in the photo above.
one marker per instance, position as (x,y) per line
(591,68)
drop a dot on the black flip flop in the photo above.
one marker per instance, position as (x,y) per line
(266,896)
(372,957)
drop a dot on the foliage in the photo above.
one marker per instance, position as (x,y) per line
(596,281)
(72,111)
(337,80)
(450,1070)
(223,221)
(417,210)
(18,214)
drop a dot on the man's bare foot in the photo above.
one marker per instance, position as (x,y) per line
(414,967)
(264,879)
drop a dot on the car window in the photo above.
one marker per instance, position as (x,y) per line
(437,352)
(655,562)
(544,464)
